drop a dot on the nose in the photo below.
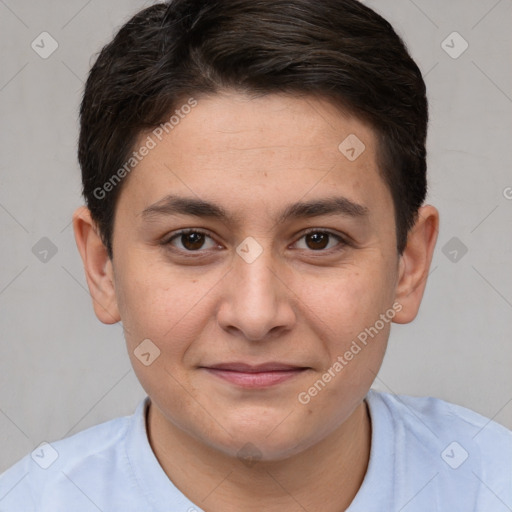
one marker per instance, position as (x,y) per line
(256,303)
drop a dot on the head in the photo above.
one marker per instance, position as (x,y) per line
(287,138)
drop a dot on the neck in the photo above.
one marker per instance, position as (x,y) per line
(324,477)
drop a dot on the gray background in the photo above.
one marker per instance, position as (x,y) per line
(61,370)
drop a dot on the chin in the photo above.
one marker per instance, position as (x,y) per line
(270,442)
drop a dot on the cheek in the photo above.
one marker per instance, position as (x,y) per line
(348,301)
(346,312)
(163,304)
(149,305)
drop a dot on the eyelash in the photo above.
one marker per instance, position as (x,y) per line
(343,242)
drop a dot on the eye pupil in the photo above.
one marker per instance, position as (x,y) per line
(196,240)
(319,240)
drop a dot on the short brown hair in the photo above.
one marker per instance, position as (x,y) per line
(337,49)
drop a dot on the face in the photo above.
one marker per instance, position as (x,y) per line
(255,252)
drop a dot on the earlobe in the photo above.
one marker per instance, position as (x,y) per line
(97,266)
(415,263)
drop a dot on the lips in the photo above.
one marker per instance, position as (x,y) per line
(255,376)
(258,368)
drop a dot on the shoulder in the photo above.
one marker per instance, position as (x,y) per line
(56,466)
(452,450)
(439,417)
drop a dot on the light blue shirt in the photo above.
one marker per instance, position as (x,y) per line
(426,455)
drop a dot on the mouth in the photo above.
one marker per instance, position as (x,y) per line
(255,376)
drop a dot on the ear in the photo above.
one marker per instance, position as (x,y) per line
(97,265)
(415,262)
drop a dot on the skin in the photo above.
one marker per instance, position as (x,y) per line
(299,302)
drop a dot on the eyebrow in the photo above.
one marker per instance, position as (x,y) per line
(177,205)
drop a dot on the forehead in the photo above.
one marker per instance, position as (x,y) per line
(298,127)
(259,149)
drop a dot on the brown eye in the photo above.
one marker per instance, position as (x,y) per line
(191,241)
(317,241)
(321,240)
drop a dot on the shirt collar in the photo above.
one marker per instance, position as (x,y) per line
(153,482)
